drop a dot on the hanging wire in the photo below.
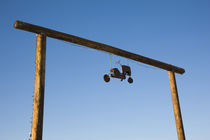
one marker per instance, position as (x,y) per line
(31,118)
(32,106)
(81,46)
(110,56)
(76,45)
(117,62)
(143,65)
(127,61)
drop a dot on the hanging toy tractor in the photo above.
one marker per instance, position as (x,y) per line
(115,73)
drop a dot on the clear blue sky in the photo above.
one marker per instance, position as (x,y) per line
(79,105)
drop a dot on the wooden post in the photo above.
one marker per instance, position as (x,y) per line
(176,106)
(38,107)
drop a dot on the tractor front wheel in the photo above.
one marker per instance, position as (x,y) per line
(106,78)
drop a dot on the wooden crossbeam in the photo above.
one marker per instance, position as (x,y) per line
(96,45)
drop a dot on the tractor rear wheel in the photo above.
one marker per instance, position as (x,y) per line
(130,80)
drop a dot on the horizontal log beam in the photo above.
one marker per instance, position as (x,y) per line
(95,45)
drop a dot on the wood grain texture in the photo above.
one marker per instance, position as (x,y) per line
(38,107)
(176,106)
(95,45)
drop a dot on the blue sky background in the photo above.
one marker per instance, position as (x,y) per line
(79,105)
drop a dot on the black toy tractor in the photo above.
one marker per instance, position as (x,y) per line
(115,73)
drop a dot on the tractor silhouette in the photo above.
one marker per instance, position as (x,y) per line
(115,73)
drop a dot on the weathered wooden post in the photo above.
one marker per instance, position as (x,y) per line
(38,108)
(176,106)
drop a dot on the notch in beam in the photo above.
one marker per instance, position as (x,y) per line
(95,45)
